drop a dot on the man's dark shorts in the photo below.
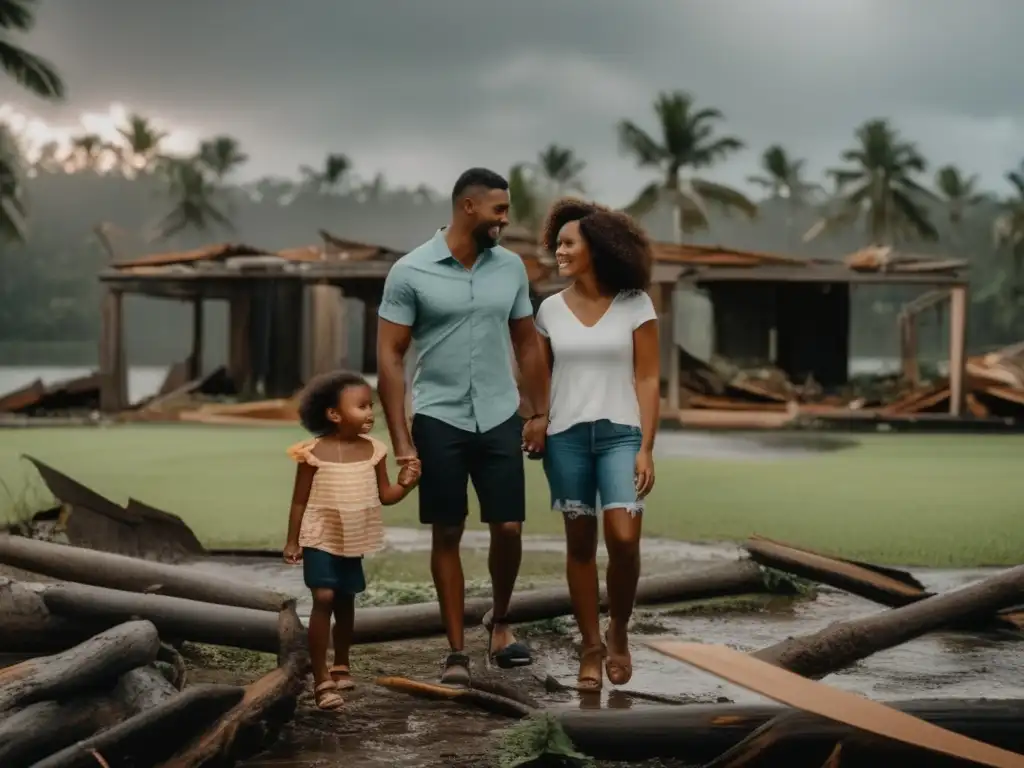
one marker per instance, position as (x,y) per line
(451,457)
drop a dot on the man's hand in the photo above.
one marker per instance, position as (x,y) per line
(409,474)
(644,473)
(534,434)
(292,553)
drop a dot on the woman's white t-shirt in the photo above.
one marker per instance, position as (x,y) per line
(592,375)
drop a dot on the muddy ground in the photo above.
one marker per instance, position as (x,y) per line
(391,729)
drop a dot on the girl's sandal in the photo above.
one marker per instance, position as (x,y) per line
(342,677)
(590,683)
(326,696)
(618,666)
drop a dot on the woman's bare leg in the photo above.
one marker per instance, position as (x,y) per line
(581,574)
(622,538)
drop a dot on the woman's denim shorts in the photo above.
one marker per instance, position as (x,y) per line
(591,463)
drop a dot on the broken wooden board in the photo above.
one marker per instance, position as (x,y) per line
(796,691)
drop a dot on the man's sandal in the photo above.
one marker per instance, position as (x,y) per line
(455,669)
(342,677)
(591,683)
(513,655)
(326,696)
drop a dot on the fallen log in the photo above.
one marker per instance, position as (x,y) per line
(246,728)
(26,626)
(377,625)
(843,643)
(889,587)
(151,735)
(488,702)
(810,696)
(174,617)
(40,729)
(698,733)
(130,574)
(851,577)
(92,663)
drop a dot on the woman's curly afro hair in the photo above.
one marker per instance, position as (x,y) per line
(323,392)
(619,248)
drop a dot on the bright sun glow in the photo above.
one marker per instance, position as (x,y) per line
(34,134)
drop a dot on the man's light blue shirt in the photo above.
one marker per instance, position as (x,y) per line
(459,319)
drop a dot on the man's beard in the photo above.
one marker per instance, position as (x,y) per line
(483,238)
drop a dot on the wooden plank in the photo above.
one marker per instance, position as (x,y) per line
(957,348)
(810,696)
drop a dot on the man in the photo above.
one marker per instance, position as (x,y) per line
(461,299)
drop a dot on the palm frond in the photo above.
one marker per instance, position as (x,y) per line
(646,201)
(725,197)
(17,15)
(635,141)
(30,71)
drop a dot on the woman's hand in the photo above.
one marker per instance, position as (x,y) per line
(644,473)
(292,553)
(534,432)
(409,474)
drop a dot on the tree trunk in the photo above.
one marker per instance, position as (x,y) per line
(40,729)
(104,569)
(703,732)
(378,625)
(26,626)
(174,617)
(843,643)
(151,735)
(97,661)
(247,727)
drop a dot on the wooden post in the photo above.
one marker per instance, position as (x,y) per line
(196,358)
(370,336)
(327,328)
(669,328)
(957,348)
(113,371)
(239,340)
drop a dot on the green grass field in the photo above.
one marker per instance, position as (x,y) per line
(913,500)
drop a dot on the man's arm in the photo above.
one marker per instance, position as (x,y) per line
(394,333)
(533,369)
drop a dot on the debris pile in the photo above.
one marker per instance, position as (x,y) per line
(994,389)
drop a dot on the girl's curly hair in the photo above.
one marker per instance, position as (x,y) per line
(321,393)
(619,248)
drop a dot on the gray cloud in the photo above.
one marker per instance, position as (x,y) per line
(420,90)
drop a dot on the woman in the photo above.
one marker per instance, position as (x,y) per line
(601,338)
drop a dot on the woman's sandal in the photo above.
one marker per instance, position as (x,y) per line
(342,677)
(326,696)
(618,666)
(513,655)
(591,683)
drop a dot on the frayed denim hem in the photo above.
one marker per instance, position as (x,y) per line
(574,509)
(634,508)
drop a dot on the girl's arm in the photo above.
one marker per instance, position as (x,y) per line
(392,493)
(300,497)
(647,374)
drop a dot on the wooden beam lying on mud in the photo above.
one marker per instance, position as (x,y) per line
(846,642)
(699,733)
(841,706)
(489,702)
(886,586)
(131,574)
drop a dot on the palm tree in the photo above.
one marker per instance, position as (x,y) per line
(880,187)
(87,152)
(221,155)
(526,200)
(28,70)
(958,192)
(194,199)
(13,211)
(782,177)
(142,143)
(334,173)
(560,169)
(687,142)
(1008,228)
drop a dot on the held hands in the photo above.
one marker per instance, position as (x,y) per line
(409,474)
(292,553)
(534,433)
(644,473)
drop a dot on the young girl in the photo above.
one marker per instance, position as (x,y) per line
(340,484)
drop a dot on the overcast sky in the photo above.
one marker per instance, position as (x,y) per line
(421,89)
